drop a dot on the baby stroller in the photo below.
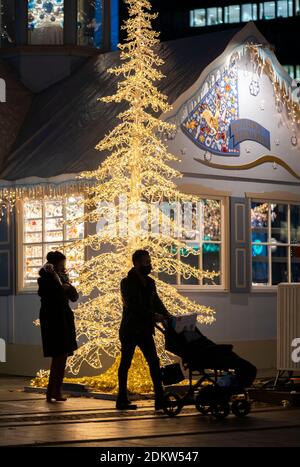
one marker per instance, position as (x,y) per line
(217,391)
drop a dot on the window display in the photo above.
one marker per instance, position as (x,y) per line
(89,23)
(45,22)
(45,229)
(275,243)
(204,232)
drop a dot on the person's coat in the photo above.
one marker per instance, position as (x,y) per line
(140,303)
(56,316)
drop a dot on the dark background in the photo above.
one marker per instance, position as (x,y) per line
(174,17)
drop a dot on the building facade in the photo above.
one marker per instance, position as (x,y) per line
(236,112)
(47,41)
(278,20)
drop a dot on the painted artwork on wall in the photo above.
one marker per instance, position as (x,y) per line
(208,124)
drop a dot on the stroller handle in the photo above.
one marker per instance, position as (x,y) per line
(162,328)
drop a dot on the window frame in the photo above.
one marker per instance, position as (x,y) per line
(96,47)
(224,242)
(21,288)
(192,18)
(289,9)
(227,14)
(254,13)
(272,200)
(261,13)
(219,17)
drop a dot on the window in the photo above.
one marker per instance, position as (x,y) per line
(293,71)
(45,22)
(290,70)
(207,235)
(275,237)
(243,13)
(249,12)
(90,22)
(198,18)
(267,10)
(232,14)
(214,16)
(43,229)
(284,8)
(7,22)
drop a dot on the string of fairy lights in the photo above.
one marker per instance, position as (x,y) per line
(138,168)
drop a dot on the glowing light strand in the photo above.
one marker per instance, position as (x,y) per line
(136,167)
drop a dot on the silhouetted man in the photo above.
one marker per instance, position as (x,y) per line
(142,307)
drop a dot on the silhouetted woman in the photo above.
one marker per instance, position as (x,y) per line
(56,319)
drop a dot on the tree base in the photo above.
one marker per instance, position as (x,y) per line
(139,379)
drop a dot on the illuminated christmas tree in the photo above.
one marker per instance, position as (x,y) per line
(136,171)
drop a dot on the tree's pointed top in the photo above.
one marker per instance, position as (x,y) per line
(138,4)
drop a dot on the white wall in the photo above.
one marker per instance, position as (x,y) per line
(239,317)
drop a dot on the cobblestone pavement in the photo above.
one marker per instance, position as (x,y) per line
(27,419)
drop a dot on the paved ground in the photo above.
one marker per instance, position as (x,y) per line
(26,419)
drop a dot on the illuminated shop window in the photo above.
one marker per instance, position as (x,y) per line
(206,235)
(297,5)
(46,22)
(90,23)
(267,10)
(198,18)
(275,243)
(43,229)
(232,14)
(249,12)
(7,23)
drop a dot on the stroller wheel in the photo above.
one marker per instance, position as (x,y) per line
(173,404)
(220,409)
(240,408)
(201,406)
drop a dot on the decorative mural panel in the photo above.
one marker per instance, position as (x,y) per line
(214,124)
(208,124)
(245,129)
(244,107)
(46,228)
